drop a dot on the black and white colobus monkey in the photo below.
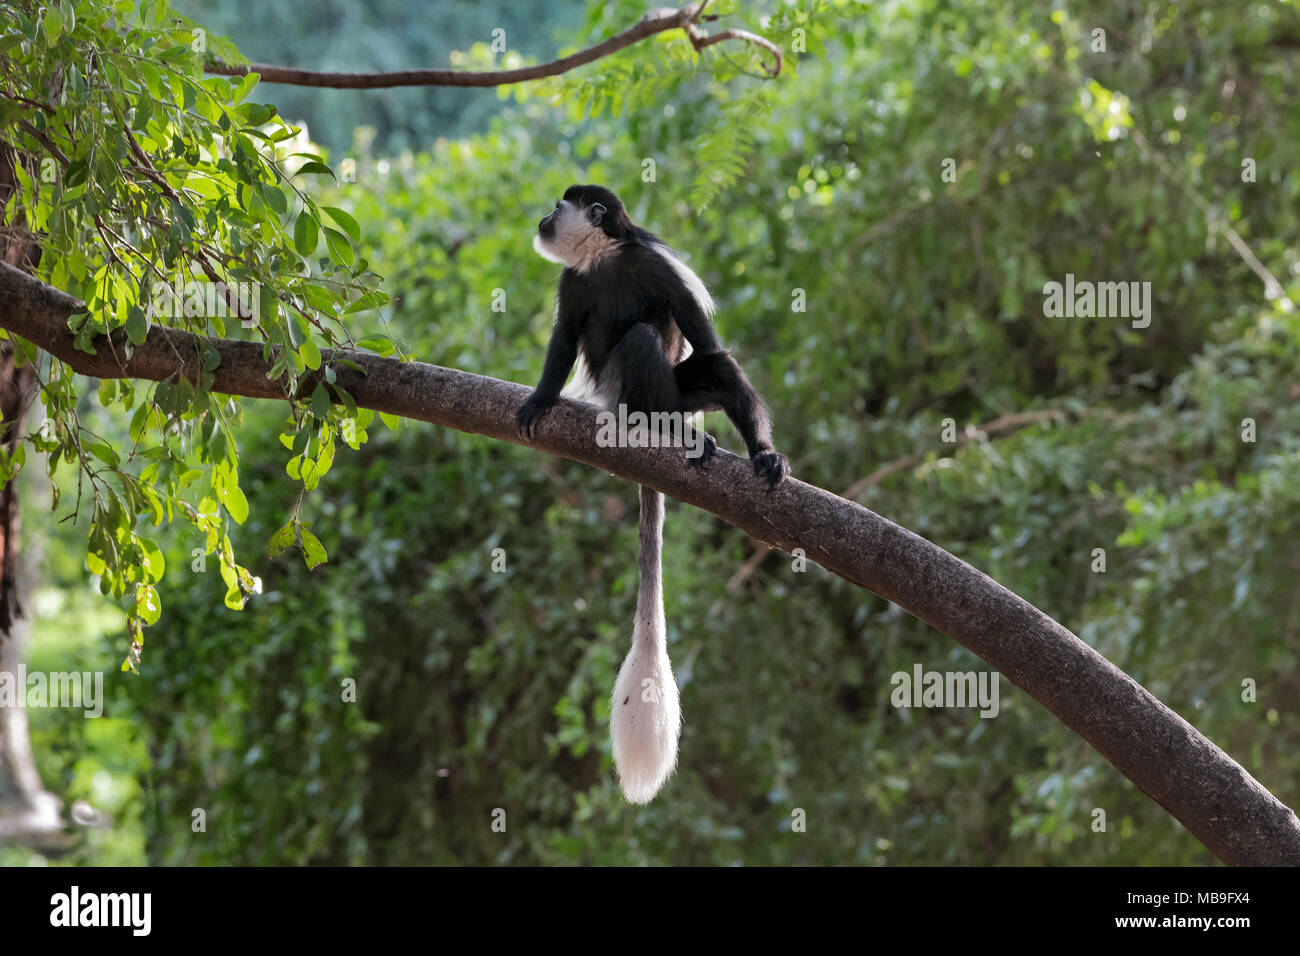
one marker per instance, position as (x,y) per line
(636,320)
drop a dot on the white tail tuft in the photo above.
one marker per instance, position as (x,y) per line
(645,721)
(645,717)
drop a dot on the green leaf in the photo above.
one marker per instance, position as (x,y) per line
(372,299)
(309,473)
(218,443)
(254,114)
(273,196)
(76,174)
(244,87)
(139,422)
(234,599)
(232,496)
(270,304)
(107,391)
(310,353)
(53,24)
(375,344)
(313,552)
(137,325)
(345,221)
(314,167)
(103,452)
(147,606)
(322,297)
(340,249)
(211,356)
(320,402)
(305,234)
(152,78)
(280,540)
(154,563)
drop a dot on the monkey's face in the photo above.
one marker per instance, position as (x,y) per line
(577,232)
(570,236)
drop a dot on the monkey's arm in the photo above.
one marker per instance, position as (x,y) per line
(560,356)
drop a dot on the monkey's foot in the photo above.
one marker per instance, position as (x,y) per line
(710,448)
(772,466)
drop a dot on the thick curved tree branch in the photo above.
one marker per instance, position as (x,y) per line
(1213,796)
(656,21)
(1005,423)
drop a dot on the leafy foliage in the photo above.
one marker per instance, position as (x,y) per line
(146,175)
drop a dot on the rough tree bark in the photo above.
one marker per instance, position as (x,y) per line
(1208,792)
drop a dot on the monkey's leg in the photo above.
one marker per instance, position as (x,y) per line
(708,381)
(639,372)
(641,376)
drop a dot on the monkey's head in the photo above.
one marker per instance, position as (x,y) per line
(587,224)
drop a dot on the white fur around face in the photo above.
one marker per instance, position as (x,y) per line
(575,243)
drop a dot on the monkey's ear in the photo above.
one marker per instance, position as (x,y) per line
(596,213)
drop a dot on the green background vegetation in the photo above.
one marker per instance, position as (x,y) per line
(481,690)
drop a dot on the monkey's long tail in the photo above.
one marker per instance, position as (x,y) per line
(645,714)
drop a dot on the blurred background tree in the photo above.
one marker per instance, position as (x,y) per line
(922,302)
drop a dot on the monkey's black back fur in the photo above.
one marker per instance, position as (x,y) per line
(636,286)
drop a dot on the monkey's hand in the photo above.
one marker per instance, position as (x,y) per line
(529,412)
(772,466)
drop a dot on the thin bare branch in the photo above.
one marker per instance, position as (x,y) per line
(44,140)
(1273,289)
(701,40)
(656,21)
